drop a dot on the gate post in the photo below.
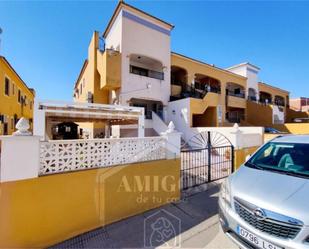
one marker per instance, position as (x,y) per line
(209,155)
(233,157)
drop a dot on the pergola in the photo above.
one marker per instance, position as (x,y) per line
(56,111)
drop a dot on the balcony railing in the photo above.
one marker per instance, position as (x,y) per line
(57,156)
(252,98)
(235,117)
(263,101)
(238,95)
(146,72)
(190,91)
(279,103)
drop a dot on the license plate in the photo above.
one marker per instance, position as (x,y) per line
(255,240)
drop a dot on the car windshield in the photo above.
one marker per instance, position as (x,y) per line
(286,158)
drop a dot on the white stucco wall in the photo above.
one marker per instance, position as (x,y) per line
(113,39)
(140,39)
(278,115)
(251,73)
(179,112)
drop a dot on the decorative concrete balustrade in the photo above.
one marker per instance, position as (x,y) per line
(68,155)
(25,156)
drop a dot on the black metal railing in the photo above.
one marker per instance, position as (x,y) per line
(252,98)
(201,166)
(190,91)
(146,72)
(279,103)
(236,94)
(235,117)
(265,102)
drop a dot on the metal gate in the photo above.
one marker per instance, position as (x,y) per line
(206,157)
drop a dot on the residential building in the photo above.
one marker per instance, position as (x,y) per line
(16,99)
(132,64)
(300,104)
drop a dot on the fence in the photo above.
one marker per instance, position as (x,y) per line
(68,155)
(201,166)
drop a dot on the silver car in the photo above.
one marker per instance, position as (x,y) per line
(265,204)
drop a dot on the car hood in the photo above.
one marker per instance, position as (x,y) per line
(287,195)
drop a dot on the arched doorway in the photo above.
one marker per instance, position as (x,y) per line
(252,94)
(206,83)
(279,100)
(236,90)
(179,79)
(265,98)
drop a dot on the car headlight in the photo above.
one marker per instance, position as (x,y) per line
(225,193)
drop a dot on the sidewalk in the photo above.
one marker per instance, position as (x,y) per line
(190,223)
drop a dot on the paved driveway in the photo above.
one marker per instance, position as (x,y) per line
(190,223)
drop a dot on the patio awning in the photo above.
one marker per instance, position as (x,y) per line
(54,111)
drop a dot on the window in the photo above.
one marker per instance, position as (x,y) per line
(285,158)
(19,96)
(5,129)
(81,88)
(12,124)
(146,72)
(7,87)
(139,71)
(13,88)
(25,100)
(30,105)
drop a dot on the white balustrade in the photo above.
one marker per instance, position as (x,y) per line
(68,155)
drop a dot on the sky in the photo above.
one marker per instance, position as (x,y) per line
(46,42)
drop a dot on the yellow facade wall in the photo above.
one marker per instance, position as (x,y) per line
(89,80)
(207,119)
(241,154)
(236,102)
(273,91)
(294,128)
(109,68)
(195,67)
(9,105)
(258,114)
(175,90)
(292,114)
(40,212)
(268,137)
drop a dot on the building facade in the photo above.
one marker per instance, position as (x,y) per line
(132,64)
(16,99)
(300,104)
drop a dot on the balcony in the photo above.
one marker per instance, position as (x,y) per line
(109,68)
(187,91)
(146,67)
(238,94)
(236,101)
(265,101)
(235,116)
(279,101)
(252,98)
(146,72)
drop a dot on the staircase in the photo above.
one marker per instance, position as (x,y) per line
(158,124)
(200,105)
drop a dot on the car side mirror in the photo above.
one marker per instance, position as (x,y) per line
(248,157)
